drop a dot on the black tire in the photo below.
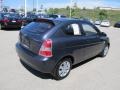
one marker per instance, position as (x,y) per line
(0,27)
(56,74)
(105,51)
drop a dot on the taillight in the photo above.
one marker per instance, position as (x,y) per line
(19,21)
(46,48)
(23,20)
(6,20)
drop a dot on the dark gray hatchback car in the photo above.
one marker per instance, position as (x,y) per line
(55,45)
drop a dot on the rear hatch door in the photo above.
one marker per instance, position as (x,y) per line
(31,36)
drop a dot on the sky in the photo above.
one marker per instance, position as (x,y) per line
(63,3)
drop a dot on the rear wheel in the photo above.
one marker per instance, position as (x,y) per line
(62,69)
(0,27)
(105,51)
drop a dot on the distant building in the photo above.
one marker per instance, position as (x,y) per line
(109,8)
(115,8)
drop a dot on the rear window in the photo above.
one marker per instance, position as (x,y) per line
(106,21)
(39,27)
(63,16)
(8,15)
(1,16)
(53,16)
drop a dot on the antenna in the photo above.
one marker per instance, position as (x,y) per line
(37,6)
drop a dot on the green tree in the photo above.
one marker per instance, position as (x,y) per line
(73,12)
(67,8)
(34,9)
(51,11)
(46,10)
(103,15)
(97,8)
(84,8)
(75,6)
(56,10)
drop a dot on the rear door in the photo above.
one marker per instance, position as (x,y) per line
(93,43)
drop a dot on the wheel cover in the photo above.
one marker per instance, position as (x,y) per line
(64,68)
(106,50)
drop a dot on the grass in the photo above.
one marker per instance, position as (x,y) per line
(112,15)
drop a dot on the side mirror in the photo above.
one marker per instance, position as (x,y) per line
(103,34)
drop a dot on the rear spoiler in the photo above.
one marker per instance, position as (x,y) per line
(44,20)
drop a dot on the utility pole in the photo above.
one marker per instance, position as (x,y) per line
(33,5)
(1,5)
(71,8)
(37,6)
(25,8)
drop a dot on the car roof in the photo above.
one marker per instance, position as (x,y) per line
(62,20)
(71,20)
(66,19)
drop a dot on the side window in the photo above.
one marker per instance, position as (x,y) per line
(63,16)
(88,29)
(73,29)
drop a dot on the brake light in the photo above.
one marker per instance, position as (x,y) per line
(19,21)
(23,20)
(6,20)
(46,48)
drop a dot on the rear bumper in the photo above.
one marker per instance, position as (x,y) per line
(117,25)
(11,25)
(45,65)
(103,25)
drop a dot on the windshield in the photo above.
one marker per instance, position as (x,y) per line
(1,16)
(12,15)
(105,21)
(53,16)
(31,16)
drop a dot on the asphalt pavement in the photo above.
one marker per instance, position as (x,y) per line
(95,74)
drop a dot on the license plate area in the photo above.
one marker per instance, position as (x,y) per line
(13,21)
(25,42)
